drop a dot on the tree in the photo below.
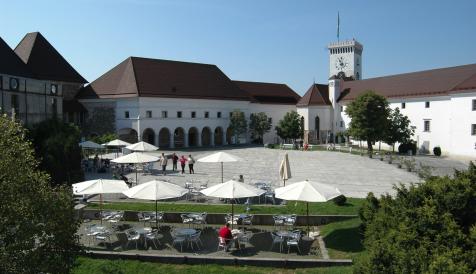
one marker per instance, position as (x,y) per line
(290,127)
(104,138)
(37,222)
(369,114)
(259,125)
(399,129)
(238,124)
(430,228)
(56,143)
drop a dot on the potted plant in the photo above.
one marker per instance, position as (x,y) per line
(390,158)
(410,164)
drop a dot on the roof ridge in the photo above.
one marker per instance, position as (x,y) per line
(172,61)
(134,73)
(454,88)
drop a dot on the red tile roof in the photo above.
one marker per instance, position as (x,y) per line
(45,61)
(435,82)
(316,95)
(10,63)
(144,77)
(269,93)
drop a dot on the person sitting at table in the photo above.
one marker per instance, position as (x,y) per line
(225,234)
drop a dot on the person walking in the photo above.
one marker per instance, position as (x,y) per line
(163,163)
(191,161)
(174,161)
(183,160)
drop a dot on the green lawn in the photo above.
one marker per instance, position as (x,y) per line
(343,239)
(329,208)
(100,266)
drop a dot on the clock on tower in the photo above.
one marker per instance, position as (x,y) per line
(345,58)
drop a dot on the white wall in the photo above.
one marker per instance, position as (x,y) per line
(276,112)
(462,117)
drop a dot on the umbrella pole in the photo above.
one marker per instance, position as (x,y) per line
(307,218)
(100,207)
(156,219)
(232,214)
(284,182)
(222,172)
(137,183)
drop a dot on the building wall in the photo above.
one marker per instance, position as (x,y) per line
(35,101)
(276,113)
(462,142)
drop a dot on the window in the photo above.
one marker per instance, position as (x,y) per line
(164,114)
(15,103)
(427,104)
(1,82)
(14,83)
(403,105)
(54,89)
(341,108)
(231,114)
(179,114)
(54,107)
(219,114)
(473,129)
(474,102)
(207,115)
(341,123)
(270,120)
(194,114)
(126,114)
(426,126)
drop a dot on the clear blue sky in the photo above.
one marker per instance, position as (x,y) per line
(254,40)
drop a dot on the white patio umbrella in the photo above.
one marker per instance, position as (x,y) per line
(117,143)
(155,190)
(142,146)
(285,169)
(99,186)
(91,145)
(135,158)
(220,157)
(307,191)
(232,190)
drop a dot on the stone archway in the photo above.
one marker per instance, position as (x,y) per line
(148,136)
(206,137)
(164,138)
(179,137)
(193,137)
(229,136)
(128,135)
(218,136)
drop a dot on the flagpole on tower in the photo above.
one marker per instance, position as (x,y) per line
(338,26)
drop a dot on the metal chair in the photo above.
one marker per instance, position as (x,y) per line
(195,239)
(294,241)
(178,240)
(277,240)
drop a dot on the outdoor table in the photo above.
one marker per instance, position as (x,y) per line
(186,232)
(146,231)
(236,233)
(284,233)
(237,217)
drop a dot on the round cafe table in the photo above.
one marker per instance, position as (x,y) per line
(186,232)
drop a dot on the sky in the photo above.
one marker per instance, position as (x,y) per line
(252,40)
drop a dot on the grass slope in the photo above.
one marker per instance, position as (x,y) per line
(100,266)
(343,239)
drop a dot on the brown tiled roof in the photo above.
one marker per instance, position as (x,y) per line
(10,63)
(146,77)
(45,61)
(269,93)
(316,95)
(435,82)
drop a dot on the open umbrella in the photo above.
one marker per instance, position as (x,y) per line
(99,186)
(220,157)
(142,146)
(308,192)
(232,190)
(285,169)
(155,190)
(135,158)
(117,143)
(90,145)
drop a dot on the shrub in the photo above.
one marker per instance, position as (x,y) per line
(437,151)
(340,200)
(426,228)
(404,148)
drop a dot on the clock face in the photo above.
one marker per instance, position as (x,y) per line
(341,63)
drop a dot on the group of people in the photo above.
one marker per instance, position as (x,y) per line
(175,159)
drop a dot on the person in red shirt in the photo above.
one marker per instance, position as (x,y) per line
(225,233)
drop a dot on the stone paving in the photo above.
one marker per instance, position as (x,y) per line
(354,175)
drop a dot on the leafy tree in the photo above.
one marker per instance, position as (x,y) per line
(369,114)
(399,129)
(37,222)
(430,228)
(238,124)
(106,137)
(259,125)
(290,127)
(56,143)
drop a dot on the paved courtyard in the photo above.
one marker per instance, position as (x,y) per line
(354,175)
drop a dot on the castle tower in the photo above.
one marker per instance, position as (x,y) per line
(345,59)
